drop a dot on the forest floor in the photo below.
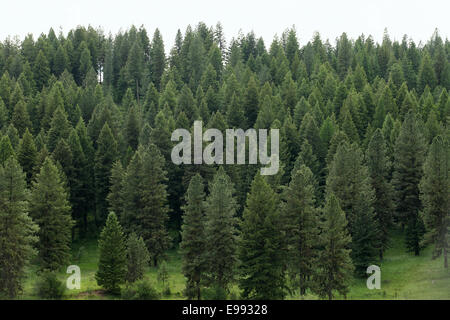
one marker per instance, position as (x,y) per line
(403,276)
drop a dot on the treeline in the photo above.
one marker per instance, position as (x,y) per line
(85,126)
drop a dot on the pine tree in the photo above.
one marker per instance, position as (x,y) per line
(41,71)
(427,76)
(104,158)
(6,150)
(434,193)
(20,118)
(349,181)
(112,265)
(157,59)
(137,258)
(145,200)
(132,128)
(335,267)
(60,128)
(115,196)
(17,229)
(260,247)
(251,102)
(301,224)
(192,237)
(220,231)
(410,149)
(50,208)
(27,154)
(379,169)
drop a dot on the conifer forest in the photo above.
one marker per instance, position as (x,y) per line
(92,205)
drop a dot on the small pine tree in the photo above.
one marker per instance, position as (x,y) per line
(112,266)
(163,274)
(137,258)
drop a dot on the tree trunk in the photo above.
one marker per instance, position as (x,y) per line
(445,258)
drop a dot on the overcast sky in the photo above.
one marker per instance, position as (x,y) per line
(266,18)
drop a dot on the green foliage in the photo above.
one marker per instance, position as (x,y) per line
(261,245)
(50,209)
(334,264)
(112,265)
(410,149)
(49,286)
(434,193)
(192,237)
(220,231)
(349,181)
(17,229)
(141,290)
(301,219)
(379,169)
(137,258)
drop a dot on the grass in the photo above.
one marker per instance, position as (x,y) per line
(403,276)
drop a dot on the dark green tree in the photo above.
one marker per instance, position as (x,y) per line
(50,209)
(260,247)
(193,243)
(434,193)
(379,168)
(112,265)
(137,258)
(104,158)
(409,156)
(301,222)
(335,267)
(17,229)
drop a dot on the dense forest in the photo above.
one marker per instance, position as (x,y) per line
(85,153)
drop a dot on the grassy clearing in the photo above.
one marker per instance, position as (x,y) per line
(403,276)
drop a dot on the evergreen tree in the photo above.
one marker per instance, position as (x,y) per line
(335,267)
(50,208)
(104,158)
(20,118)
(112,265)
(17,229)
(349,181)
(137,258)
(27,155)
(145,200)
(192,237)
(410,149)
(427,76)
(157,59)
(434,193)
(260,248)
(379,169)
(220,231)
(301,224)
(41,71)
(6,150)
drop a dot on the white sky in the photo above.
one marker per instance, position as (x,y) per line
(417,18)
